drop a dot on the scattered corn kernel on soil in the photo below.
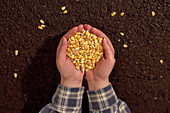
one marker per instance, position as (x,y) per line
(138,76)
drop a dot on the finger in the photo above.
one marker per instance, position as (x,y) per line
(80,27)
(101,34)
(71,32)
(108,51)
(59,45)
(62,50)
(87,27)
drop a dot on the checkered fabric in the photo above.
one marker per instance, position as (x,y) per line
(65,100)
(105,101)
(69,100)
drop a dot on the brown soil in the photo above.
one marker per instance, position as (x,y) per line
(138,77)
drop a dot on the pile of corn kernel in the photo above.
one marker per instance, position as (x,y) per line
(85,50)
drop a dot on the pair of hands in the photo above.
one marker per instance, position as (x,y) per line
(99,76)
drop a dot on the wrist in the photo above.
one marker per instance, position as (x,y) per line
(95,85)
(71,84)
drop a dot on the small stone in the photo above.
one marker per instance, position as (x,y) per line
(161,76)
(144,72)
(136,62)
(119,40)
(155,98)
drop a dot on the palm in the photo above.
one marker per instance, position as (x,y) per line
(72,71)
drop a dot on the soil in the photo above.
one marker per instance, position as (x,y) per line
(138,77)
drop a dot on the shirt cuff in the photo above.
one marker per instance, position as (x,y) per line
(67,99)
(102,98)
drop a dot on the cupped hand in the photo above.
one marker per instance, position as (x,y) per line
(70,76)
(99,76)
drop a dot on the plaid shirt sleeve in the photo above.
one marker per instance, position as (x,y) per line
(105,101)
(65,100)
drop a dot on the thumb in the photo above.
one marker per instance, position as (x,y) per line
(107,50)
(62,49)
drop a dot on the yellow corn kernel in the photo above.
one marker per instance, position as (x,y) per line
(16,52)
(74,61)
(15,75)
(63,8)
(77,67)
(65,12)
(72,38)
(93,64)
(122,14)
(42,21)
(42,26)
(87,33)
(90,67)
(67,53)
(77,48)
(71,46)
(100,40)
(72,56)
(93,61)
(161,61)
(39,27)
(68,49)
(90,57)
(113,13)
(122,34)
(125,45)
(153,13)
(83,69)
(74,46)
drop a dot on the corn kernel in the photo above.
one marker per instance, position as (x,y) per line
(122,14)
(42,21)
(16,52)
(39,27)
(65,12)
(15,75)
(113,13)
(153,13)
(42,25)
(77,67)
(63,8)
(125,45)
(122,33)
(161,61)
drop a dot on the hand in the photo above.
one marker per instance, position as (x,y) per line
(98,77)
(70,76)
